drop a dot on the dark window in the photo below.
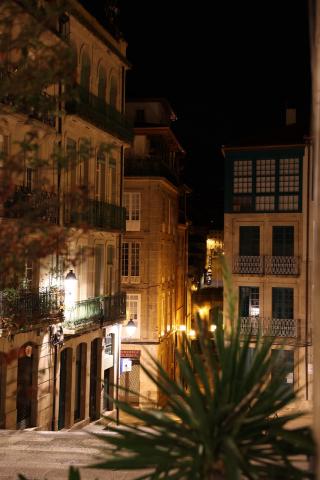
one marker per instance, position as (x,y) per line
(249,301)
(249,241)
(282,303)
(283,241)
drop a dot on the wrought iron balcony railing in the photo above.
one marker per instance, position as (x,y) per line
(274,327)
(151,166)
(248,264)
(27,307)
(95,110)
(96,214)
(38,205)
(281,265)
(114,307)
(97,310)
(265,265)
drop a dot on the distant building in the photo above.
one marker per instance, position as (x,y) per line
(266,249)
(155,246)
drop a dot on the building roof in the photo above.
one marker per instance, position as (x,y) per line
(164,102)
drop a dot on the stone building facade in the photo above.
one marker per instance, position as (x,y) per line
(155,246)
(68,351)
(266,249)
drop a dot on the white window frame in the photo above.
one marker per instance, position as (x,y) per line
(131,246)
(133,312)
(132,204)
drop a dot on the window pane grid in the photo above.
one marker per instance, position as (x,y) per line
(264,202)
(288,202)
(135,259)
(242,176)
(125,260)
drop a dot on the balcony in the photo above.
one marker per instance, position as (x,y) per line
(281,265)
(274,327)
(265,265)
(20,309)
(38,205)
(95,214)
(95,110)
(95,311)
(42,108)
(151,166)
(248,265)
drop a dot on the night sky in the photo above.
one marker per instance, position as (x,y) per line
(229,69)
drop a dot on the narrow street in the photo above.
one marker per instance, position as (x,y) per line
(48,455)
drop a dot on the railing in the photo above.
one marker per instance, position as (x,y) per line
(151,166)
(41,112)
(97,310)
(281,265)
(37,204)
(83,313)
(97,111)
(26,305)
(114,307)
(268,265)
(94,213)
(248,264)
(274,327)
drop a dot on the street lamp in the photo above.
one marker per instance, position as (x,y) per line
(131,328)
(70,284)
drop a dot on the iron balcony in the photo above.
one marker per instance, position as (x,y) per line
(97,111)
(270,327)
(22,308)
(94,213)
(93,312)
(265,265)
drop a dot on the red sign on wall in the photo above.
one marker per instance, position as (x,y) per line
(130,353)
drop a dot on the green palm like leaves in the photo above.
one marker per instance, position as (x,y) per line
(219,422)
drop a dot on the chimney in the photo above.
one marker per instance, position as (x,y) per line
(291,116)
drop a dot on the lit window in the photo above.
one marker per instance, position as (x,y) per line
(265,172)
(288,202)
(289,178)
(242,176)
(265,203)
(133,311)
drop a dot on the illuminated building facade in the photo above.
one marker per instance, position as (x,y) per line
(266,249)
(155,245)
(69,318)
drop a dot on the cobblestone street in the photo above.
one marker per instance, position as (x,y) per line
(48,455)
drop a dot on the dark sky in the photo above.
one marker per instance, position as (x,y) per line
(228,68)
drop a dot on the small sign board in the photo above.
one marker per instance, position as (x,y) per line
(130,354)
(125,365)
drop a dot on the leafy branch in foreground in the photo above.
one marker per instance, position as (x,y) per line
(223,424)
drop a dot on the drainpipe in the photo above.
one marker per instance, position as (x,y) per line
(308,142)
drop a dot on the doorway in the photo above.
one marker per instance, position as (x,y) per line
(26,389)
(95,379)
(65,388)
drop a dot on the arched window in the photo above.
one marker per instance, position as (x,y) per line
(85,76)
(113,92)
(102,84)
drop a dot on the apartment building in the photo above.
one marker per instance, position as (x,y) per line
(266,248)
(154,248)
(68,317)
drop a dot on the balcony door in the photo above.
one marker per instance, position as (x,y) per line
(249,241)
(283,323)
(283,241)
(26,387)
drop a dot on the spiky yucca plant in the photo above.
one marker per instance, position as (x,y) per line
(223,425)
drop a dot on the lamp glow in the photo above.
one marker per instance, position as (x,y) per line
(70,289)
(182,328)
(213,328)
(192,333)
(131,328)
